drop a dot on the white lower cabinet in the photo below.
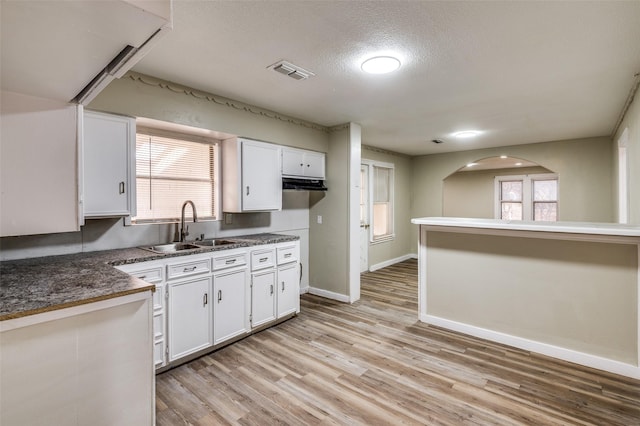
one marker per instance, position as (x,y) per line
(263,297)
(205,300)
(230,316)
(190,317)
(153,272)
(288,289)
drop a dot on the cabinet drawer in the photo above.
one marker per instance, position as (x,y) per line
(287,254)
(152,275)
(186,269)
(261,259)
(229,261)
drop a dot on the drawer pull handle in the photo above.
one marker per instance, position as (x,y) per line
(230,261)
(191,269)
(219,296)
(205,299)
(263,259)
(288,255)
(283,286)
(247,190)
(143,277)
(121,188)
(272,289)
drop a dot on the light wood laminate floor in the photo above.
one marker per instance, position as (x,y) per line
(373,363)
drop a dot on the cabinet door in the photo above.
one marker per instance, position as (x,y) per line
(108,169)
(261,176)
(292,162)
(314,165)
(38,165)
(263,298)
(230,316)
(190,319)
(288,299)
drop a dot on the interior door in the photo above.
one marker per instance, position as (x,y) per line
(364,217)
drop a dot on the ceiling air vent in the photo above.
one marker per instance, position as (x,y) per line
(293,71)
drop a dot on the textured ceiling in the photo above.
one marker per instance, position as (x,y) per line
(520,72)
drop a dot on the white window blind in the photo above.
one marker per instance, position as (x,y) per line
(171,170)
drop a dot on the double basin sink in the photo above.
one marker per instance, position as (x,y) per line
(194,245)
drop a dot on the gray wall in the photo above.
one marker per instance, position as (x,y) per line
(631,122)
(405,233)
(472,194)
(584,168)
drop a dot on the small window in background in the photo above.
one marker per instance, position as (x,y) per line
(545,200)
(511,200)
(171,170)
(382,202)
(527,197)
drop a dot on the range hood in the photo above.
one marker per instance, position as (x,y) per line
(293,184)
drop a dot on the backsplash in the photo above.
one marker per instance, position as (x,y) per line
(106,234)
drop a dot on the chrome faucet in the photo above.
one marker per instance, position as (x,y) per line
(185,231)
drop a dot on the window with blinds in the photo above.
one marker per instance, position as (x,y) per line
(382,204)
(171,169)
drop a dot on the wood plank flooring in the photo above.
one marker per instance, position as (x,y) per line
(373,363)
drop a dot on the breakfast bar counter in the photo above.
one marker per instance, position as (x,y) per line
(563,289)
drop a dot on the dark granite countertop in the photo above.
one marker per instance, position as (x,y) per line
(32,286)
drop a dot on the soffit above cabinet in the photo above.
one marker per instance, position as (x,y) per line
(53,49)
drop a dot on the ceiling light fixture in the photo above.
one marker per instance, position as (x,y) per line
(380,65)
(465,134)
(472,164)
(503,157)
(518,164)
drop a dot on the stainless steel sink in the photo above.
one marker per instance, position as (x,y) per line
(214,242)
(171,247)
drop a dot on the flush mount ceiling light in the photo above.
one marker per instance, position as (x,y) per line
(503,157)
(380,65)
(465,134)
(472,164)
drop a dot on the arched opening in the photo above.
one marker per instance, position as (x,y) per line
(478,190)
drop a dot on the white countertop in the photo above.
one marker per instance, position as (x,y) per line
(592,228)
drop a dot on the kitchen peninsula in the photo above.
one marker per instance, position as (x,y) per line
(563,289)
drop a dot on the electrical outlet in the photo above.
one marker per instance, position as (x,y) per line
(319,219)
(228,219)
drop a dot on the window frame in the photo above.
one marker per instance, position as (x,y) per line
(372,164)
(528,203)
(217,172)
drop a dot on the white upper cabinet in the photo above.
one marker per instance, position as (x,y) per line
(39,165)
(108,165)
(300,163)
(252,180)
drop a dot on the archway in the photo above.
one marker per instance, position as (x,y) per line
(471,190)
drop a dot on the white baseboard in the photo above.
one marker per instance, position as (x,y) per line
(570,355)
(392,262)
(304,290)
(329,294)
